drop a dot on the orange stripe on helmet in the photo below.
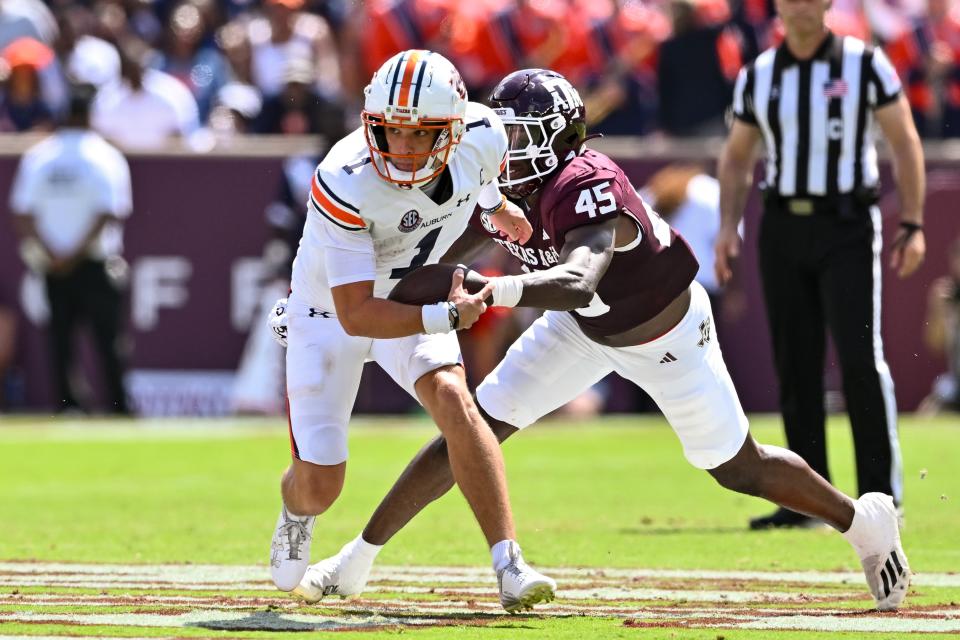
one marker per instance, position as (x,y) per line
(408,78)
(340,214)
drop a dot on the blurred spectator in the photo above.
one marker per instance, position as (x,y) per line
(942,335)
(689,200)
(299,109)
(112,22)
(696,71)
(143,22)
(186,57)
(22,107)
(86,58)
(755,18)
(378,29)
(26,19)
(944,66)
(260,48)
(908,44)
(235,109)
(491,39)
(146,108)
(622,99)
(68,198)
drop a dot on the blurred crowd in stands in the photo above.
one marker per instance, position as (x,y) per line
(178,67)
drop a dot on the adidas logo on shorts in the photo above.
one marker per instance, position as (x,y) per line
(667,358)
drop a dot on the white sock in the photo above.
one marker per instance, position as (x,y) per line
(360,547)
(503,553)
(861,534)
(294,515)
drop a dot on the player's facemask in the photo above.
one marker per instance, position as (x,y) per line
(448,133)
(530,153)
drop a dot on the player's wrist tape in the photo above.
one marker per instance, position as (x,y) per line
(438,318)
(496,208)
(507,291)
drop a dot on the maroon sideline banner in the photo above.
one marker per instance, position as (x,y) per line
(196,234)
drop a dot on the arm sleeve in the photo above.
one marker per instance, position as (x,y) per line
(348,255)
(884,85)
(743,96)
(497,153)
(24,188)
(489,195)
(347,244)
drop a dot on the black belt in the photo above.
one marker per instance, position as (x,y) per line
(846,205)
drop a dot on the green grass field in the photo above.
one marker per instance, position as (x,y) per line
(614,494)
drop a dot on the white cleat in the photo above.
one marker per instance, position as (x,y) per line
(290,549)
(521,587)
(885,564)
(344,574)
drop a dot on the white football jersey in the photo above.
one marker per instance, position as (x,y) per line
(353,212)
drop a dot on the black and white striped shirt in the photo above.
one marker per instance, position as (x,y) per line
(816,115)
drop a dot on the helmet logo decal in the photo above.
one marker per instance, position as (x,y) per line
(565,97)
(410,221)
(404,82)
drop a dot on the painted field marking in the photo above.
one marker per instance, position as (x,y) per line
(418,596)
(256,576)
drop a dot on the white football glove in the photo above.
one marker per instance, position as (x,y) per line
(277,319)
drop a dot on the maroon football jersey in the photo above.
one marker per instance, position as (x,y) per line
(643,277)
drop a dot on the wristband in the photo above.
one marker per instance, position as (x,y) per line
(909,228)
(497,208)
(454,315)
(437,317)
(507,291)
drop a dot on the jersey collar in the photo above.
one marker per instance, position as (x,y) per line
(822,52)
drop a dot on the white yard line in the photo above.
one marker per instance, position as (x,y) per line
(255,577)
(454,591)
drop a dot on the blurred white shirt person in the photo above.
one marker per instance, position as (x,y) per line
(146,108)
(70,194)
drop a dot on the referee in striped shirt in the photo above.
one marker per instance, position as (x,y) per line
(815,102)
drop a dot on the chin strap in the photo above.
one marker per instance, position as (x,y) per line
(592,136)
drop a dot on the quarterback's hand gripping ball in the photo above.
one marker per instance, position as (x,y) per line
(277,319)
(431,284)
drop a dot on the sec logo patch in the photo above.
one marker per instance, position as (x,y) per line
(410,221)
(485,221)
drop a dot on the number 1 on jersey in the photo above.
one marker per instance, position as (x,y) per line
(424,247)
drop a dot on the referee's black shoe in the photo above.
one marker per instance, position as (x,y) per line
(784,519)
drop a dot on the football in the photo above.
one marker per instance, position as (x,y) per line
(431,284)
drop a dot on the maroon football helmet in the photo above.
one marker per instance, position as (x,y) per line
(546,124)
